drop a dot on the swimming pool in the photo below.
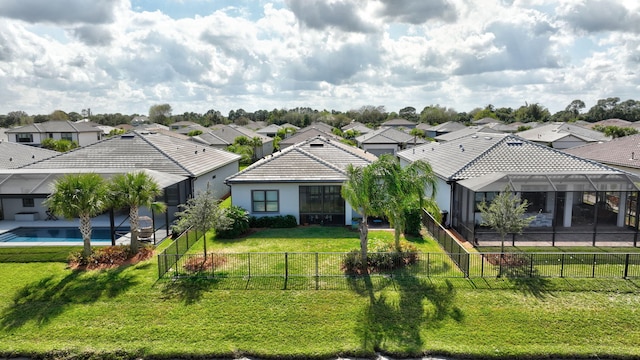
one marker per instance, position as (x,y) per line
(57,236)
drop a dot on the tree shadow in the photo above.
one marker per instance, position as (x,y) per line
(528,282)
(45,299)
(397,323)
(188,289)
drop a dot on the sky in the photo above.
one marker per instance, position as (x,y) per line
(124,56)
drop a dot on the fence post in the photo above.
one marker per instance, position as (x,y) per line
(249,263)
(175,266)
(593,267)
(317,273)
(531,265)
(562,267)
(286,268)
(626,266)
(428,264)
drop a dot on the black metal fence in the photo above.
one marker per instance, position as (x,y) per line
(172,254)
(457,252)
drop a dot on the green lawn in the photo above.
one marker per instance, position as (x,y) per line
(47,310)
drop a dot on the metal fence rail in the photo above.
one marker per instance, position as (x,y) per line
(457,252)
(438,265)
(172,254)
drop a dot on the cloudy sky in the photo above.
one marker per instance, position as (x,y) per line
(127,55)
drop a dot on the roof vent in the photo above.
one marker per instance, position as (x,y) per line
(514,143)
(316,144)
(488,138)
(127,136)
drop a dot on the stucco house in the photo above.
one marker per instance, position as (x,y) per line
(387,140)
(222,136)
(81,133)
(303,180)
(200,164)
(559,135)
(308,133)
(622,153)
(572,199)
(443,128)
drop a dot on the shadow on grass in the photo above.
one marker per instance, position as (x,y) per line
(397,323)
(188,289)
(43,300)
(528,281)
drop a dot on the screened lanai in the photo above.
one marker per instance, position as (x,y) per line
(566,208)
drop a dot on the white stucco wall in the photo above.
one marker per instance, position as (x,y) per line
(216,179)
(12,206)
(87,138)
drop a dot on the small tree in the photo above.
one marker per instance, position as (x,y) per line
(505,215)
(203,212)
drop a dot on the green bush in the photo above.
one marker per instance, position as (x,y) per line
(413,221)
(278,221)
(240,224)
(382,258)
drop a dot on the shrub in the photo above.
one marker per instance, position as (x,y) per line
(413,221)
(279,221)
(382,258)
(240,225)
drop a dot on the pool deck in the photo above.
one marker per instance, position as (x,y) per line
(98,222)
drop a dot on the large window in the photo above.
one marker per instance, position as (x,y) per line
(24,138)
(66,136)
(265,201)
(321,205)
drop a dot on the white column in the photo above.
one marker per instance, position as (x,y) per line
(622,208)
(348,213)
(551,202)
(568,208)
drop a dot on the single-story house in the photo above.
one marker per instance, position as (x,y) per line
(303,180)
(559,135)
(443,128)
(571,198)
(469,130)
(399,123)
(387,140)
(308,133)
(81,133)
(622,153)
(202,165)
(222,136)
(270,131)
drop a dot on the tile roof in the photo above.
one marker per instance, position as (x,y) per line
(15,155)
(559,130)
(469,130)
(476,155)
(141,150)
(229,133)
(610,122)
(387,135)
(305,135)
(623,151)
(448,126)
(55,127)
(398,122)
(314,160)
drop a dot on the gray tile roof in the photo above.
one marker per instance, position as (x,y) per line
(229,133)
(624,151)
(143,151)
(315,160)
(399,122)
(387,135)
(305,135)
(448,126)
(476,155)
(14,155)
(469,130)
(555,131)
(55,127)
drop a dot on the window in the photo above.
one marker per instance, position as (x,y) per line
(28,203)
(66,136)
(24,138)
(484,196)
(264,200)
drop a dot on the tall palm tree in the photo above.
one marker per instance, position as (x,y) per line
(256,143)
(361,191)
(404,189)
(135,190)
(79,196)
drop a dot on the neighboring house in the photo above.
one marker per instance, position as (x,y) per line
(469,130)
(270,131)
(572,199)
(302,136)
(559,135)
(202,165)
(106,129)
(610,122)
(228,134)
(514,127)
(140,120)
(185,130)
(81,133)
(622,153)
(399,124)
(181,124)
(23,191)
(387,140)
(443,128)
(486,121)
(358,127)
(318,125)
(15,155)
(303,180)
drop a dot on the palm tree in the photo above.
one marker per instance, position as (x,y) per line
(404,189)
(361,191)
(135,190)
(256,142)
(79,196)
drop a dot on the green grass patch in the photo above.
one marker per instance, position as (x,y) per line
(37,253)
(561,249)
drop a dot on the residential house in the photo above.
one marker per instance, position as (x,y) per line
(181,124)
(399,123)
(559,135)
(387,140)
(303,180)
(222,136)
(572,199)
(202,165)
(469,130)
(622,153)
(358,127)
(443,128)
(610,122)
(33,134)
(304,135)
(14,155)
(270,131)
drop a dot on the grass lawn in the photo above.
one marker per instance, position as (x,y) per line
(49,310)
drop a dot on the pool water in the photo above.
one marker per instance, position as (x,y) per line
(99,236)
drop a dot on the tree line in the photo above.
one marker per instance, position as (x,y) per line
(609,108)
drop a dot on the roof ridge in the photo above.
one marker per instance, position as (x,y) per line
(164,153)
